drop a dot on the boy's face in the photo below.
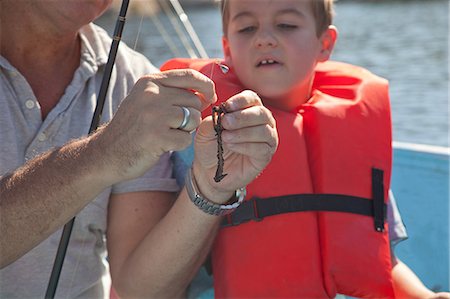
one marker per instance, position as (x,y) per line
(273,47)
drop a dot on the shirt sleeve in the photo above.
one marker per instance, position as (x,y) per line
(182,161)
(158,178)
(397,229)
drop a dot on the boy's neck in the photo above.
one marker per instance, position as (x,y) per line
(291,101)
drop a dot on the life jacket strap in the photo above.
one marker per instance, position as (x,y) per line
(258,208)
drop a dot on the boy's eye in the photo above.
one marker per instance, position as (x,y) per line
(247,29)
(287,26)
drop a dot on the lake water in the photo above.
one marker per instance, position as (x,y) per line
(403,41)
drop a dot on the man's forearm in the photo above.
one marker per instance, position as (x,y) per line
(41,196)
(168,258)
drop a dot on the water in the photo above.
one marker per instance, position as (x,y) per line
(403,41)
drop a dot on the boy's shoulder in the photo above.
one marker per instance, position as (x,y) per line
(337,67)
(343,72)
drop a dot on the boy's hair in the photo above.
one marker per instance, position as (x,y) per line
(323,13)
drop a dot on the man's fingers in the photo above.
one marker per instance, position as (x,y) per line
(185,118)
(259,134)
(244,110)
(189,80)
(258,151)
(253,116)
(243,100)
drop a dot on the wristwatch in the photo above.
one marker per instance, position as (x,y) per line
(208,206)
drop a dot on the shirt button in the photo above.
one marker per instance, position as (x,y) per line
(30,104)
(42,137)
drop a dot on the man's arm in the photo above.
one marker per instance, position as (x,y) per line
(44,194)
(156,246)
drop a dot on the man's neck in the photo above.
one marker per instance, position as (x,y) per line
(45,55)
(35,43)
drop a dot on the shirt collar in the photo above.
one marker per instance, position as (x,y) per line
(94,41)
(4,63)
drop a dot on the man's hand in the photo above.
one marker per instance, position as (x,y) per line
(146,124)
(249,141)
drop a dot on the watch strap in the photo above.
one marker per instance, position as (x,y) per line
(208,206)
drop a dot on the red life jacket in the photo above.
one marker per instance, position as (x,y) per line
(329,147)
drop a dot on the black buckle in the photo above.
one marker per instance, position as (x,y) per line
(378,199)
(247,211)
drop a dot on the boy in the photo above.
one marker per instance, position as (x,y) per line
(324,116)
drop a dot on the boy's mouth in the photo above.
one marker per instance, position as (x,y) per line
(266,62)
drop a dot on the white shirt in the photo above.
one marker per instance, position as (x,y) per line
(23,135)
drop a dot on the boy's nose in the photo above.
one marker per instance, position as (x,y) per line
(265,39)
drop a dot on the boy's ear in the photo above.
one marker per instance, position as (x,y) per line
(226,51)
(328,40)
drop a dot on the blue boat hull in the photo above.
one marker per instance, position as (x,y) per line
(420,182)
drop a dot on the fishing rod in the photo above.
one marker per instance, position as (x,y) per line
(174,19)
(188,36)
(68,227)
(188,27)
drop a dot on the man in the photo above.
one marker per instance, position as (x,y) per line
(51,66)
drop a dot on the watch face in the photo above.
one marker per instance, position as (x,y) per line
(241,193)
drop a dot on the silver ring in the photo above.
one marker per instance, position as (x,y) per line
(186,116)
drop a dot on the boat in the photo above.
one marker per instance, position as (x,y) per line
(420,182)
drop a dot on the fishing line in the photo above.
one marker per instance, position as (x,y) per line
(166,37)
(174,21)
(188,27)
(138,33)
